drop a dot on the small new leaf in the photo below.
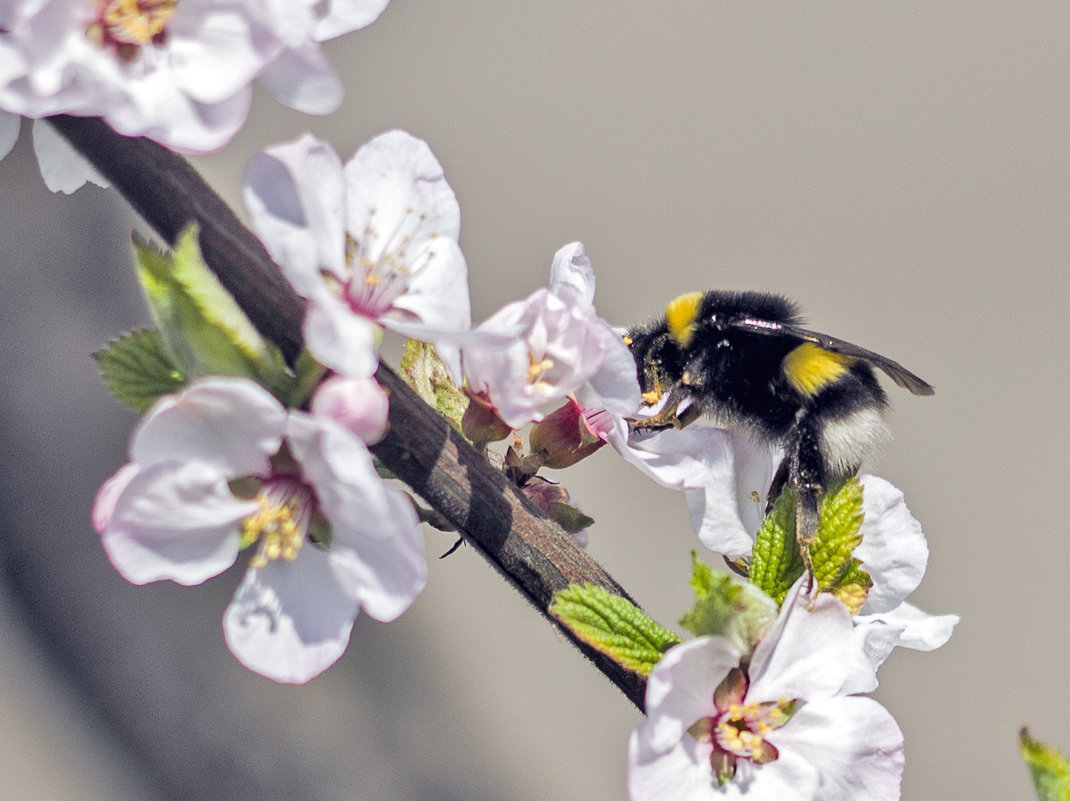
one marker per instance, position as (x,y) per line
(426,373)
(1050,769)
(728,607)
(835,568)
(613,625)
(202,327)
(136,369)
(718,599)
(775,560)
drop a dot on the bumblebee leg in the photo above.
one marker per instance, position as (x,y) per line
(806,475)
(667,416)
(776,486)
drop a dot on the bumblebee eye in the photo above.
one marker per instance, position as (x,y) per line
(724,343)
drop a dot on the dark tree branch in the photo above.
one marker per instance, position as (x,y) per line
(421,448)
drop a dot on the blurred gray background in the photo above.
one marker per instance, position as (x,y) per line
(900,169)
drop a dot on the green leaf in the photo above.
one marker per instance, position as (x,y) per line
(775,560)
(204,330)
(728,607)
(426,373)
(718,600)
(136,369)
(571,519)
(835,568)
(613,626)
(1050,769)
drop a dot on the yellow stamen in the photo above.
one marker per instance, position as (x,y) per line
(277,529)
(135,22)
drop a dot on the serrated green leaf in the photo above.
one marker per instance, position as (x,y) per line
(137,370)
(775,560)
(613,626)
(837,534)
(1049,768)
(204,330)
(426,373)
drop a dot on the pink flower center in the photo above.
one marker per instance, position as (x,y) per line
(739,728)
(128,25)
(382,265)
(281,524)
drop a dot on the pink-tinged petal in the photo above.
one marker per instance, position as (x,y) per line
(342,16)
(173,520)
(811,651)
(339,467)
(290,621)
(397,189)
(303,79)
(681,773)
(915,629)
(63,168)
(345,342)
(571,271)
(9,132)
(229,422)
(385,571)
(295,194)
(689,458)
(614,387)
(680,689)
(853,743)
(893,549)
(358,404)
(437,296)
(213,50)
(108,494)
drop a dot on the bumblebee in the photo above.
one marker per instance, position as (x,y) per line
(743,359)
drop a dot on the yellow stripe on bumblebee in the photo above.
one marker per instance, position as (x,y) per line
(681,316)
(810,368)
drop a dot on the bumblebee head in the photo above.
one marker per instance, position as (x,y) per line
(657,358)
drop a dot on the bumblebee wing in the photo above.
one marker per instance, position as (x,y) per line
(897,372)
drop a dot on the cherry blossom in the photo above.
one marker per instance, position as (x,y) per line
(222,467)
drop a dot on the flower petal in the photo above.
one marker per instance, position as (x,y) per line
(893,549)
(230,422)
(853,743)
(571,271)
(63,168)
(811,652)
(679,690)
(295,193)
(290,621)
(171,520)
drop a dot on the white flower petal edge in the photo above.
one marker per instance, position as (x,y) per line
(893,546)
(62,167)
(290,621)
(9,131)
(853,743)
(295,194)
